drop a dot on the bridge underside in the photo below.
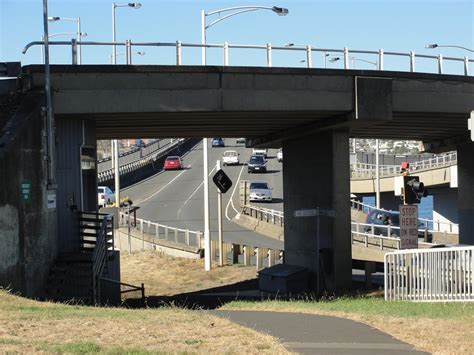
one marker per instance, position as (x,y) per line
(310,112)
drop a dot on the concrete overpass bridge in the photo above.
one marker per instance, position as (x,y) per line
(310,112)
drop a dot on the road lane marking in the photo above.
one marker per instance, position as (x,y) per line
(231,202)
(192,194)
(157,192)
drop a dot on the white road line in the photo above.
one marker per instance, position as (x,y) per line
(232,196)
(192,194)
(157,192)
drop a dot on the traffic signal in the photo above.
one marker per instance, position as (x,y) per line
(413,190)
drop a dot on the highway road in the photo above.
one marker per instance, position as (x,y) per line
(175,198)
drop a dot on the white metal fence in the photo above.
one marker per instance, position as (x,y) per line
(268,52)
(368,171)
(442,274)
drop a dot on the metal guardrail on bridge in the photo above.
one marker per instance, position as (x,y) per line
(443,274)
(268,49)
(368,171)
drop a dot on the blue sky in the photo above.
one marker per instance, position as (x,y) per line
(398,26)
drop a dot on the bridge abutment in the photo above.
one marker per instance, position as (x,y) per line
(316,174)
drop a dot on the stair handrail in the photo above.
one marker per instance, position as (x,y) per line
(99,256)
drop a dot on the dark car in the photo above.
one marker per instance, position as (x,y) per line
(218,142)
(257,163)
(389,218)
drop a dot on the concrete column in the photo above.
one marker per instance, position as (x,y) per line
(316,174)
(466,193)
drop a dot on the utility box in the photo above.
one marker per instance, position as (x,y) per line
(284,279)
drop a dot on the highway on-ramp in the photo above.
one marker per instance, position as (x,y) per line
(175,198)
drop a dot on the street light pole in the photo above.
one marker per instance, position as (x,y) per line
(83,34)
(232,11)
(434,45)
(78,33)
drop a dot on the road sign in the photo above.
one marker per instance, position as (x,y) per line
(314,212)
(25,190)
(222,181)
(408,226)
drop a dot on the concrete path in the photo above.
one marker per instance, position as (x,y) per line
(313,334)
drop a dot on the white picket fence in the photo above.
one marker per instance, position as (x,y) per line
(429,275)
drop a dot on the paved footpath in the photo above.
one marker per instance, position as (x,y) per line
(314,334)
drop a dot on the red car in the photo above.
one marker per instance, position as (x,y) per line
(173,162)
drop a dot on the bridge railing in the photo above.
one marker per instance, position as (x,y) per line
(368,171)
(264,214)
(429,225)
(379,55)
(442,274)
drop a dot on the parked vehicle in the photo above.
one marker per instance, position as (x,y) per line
(280,155)
(230,157)
(260,191)
(257,163)
(240,141)
(218,142)
(260,151)
(105,196)
(173,163)
(390,218)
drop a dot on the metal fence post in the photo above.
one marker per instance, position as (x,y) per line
(466,65)
(226,53)
(412,61)
(381,57)
(178,52)
(187,236)
(128,51)
(440,64)
(309,57)
(74,51)
(269,55)
(346,58)
(235,253)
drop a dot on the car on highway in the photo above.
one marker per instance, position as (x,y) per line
(218,142)
(257,164)
(240,141)
(230,157)
(260,191)
(280,155)
(260,151)
(105,196)
(384,218)
(173,163)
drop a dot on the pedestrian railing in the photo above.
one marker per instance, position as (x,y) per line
(442,274)
(178,236)
(427,224)
(264,214)
(268,53)
(368,171)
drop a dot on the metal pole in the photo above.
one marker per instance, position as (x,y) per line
(377,175)
(219,220)
(42,50)
(114,61)
(129,238)
(318,271)
(49,107)
(79,37)
(117,174)
(207,236)
(203,37)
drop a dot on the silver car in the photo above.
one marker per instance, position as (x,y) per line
(260,191)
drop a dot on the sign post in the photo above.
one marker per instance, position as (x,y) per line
(408,226)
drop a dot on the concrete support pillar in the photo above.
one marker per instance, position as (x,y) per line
(316,174)
(466,193)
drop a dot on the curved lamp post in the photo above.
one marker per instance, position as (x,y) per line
(83,34)
(434,45)
(335,59)
(114,142)
(78,33)
(122,53)
(326,55)
(229,12)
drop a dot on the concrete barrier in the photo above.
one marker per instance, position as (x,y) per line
(266,228)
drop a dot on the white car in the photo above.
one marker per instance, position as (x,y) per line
(230,157)
(260,191)
(280,155)
(260,151)
(105,196)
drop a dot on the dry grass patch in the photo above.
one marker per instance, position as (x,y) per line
(166,276)
(28,327)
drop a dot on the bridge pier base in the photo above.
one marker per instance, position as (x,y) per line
(316,174)
(466,193)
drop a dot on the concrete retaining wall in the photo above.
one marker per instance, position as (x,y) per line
(262,227)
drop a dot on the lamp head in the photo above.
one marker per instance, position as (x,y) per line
(289,44)
(335,59)
(135,5)
(434,45)
(141,53)
(53,19)
(280,11)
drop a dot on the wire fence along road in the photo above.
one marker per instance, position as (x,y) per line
(444,274)
(268,50)
(368,171)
